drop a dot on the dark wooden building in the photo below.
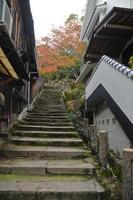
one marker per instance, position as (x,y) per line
(17,57)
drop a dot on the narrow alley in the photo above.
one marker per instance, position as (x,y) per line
(66,100)
(45,158)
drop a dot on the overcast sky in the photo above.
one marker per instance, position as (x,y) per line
(52,13)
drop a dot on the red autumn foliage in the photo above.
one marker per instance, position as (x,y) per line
(62,48)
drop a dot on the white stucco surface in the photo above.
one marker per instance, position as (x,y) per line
(118,85)
(90,7)
(105,120)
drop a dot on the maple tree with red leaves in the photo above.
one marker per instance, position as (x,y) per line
(62,48)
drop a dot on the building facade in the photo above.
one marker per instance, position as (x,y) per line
(107,31)
(17,57)
(96,11)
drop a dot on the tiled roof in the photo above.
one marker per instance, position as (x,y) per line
(118,66)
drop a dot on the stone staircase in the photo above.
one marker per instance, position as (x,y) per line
(45,158)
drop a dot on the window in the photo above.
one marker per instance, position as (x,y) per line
(107,121)
(113,120)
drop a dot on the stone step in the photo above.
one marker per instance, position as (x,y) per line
(50,120)
(50,105)
(58,142)
(45,134)
(77,166)
(47,105)
(46,101)
(41,123)
(45,158)
(47,178)
(49,102)
(42,100)
(51,96)
(47,117)
(45,114)
(42,112)
(50,99)
(52,93)
(50,110)
(41,167)
(44,128)
(29,190)
(12,151)
(21,166)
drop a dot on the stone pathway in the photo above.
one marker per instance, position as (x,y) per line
(45,158)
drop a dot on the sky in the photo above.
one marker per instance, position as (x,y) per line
(53,13)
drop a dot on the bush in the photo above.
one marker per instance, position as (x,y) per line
(74,97)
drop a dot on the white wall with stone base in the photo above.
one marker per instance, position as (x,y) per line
(105,120)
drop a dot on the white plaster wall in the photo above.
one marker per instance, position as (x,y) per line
(119,86)
(105,120)
(90,6)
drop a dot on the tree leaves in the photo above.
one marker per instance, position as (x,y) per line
(62,48)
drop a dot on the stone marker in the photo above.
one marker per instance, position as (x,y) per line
(103,148)
(127,166)
(93,139)
(86,127)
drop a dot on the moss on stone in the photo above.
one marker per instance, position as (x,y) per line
(14,177)
(115,166)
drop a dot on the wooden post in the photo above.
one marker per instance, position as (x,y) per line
(103,148)
(127,182)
